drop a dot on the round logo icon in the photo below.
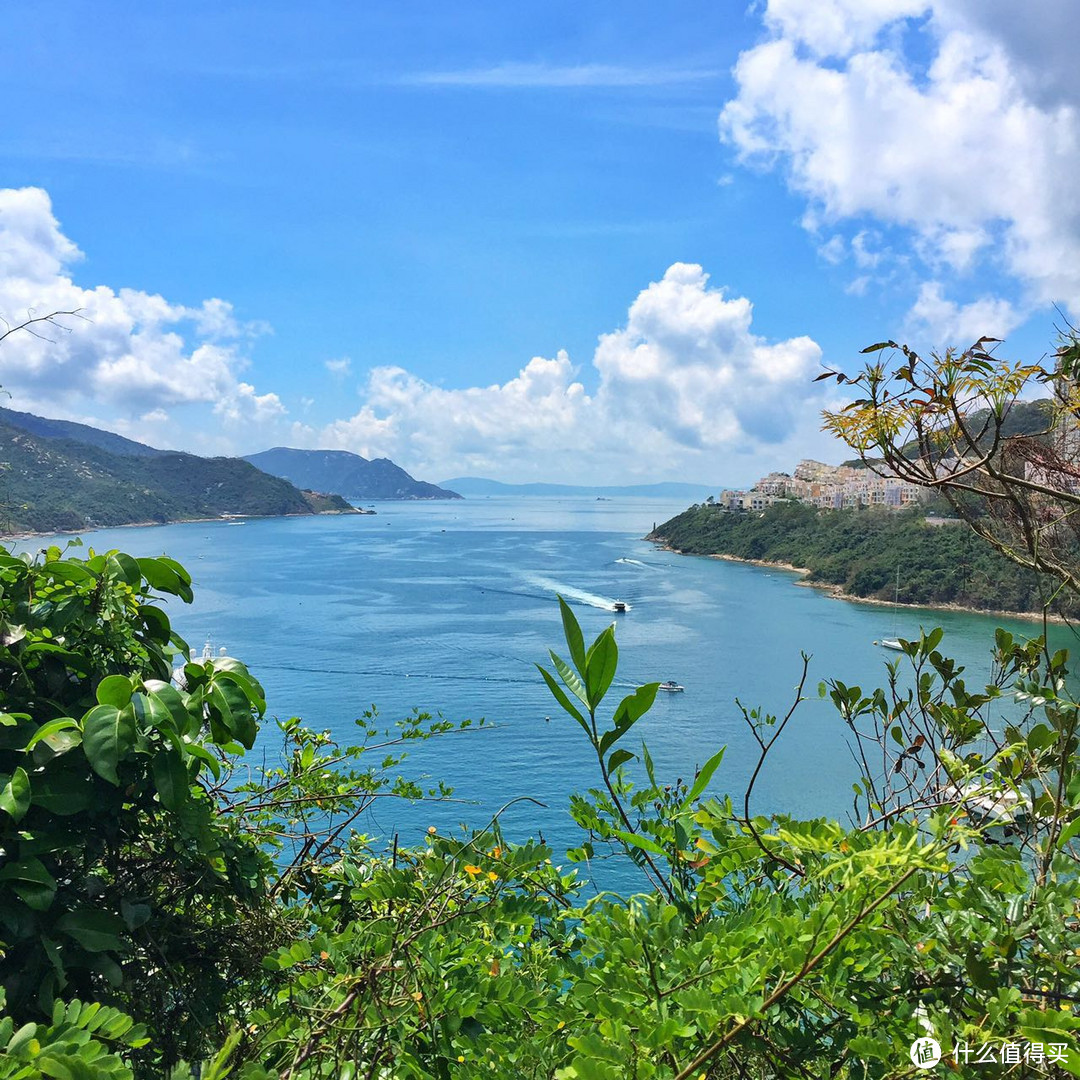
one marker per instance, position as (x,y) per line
(925,1053)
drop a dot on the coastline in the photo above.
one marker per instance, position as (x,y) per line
(837,591)
(31,535)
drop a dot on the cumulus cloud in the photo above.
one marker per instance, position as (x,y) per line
(974,153)
(133,351)
(682,384)
(682,388)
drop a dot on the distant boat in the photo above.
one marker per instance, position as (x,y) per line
(619,605)
(893,642)
(671,686)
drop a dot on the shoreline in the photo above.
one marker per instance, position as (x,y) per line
(32,535)
(836,592)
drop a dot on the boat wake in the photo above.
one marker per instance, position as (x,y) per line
(568,592)
(637,562)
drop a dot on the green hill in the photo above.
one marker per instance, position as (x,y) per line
(348,474)
(859,552)
(50,483)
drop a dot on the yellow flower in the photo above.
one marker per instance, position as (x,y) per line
(496,852)
(461,1057)
(473,870)
(492,876)
(432,830)
(417,996)
(560,1025)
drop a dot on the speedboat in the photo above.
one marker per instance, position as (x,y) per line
(671,686)
(619,605)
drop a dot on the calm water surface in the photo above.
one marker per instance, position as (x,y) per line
(447,607)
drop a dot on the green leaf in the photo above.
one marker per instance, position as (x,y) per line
(572,631)
(643,842)
(31,882)
(161,576)
(620,757)
(15,794)
(124,567)
(95,931)
(600,665)
(167,695)
(62,723)
(563,700)
(569,676)
(171,779)
(705,775)
(108,737)
(114,690)
(63,793)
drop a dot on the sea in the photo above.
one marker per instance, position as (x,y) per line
(447,608)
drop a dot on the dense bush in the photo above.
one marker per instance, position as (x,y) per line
(862,551)
(244,924)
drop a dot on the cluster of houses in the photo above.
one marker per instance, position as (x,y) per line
(833,487)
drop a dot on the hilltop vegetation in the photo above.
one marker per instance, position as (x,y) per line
(347,474)
(860,552)
(51,484)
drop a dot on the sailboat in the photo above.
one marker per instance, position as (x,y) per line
(893,642)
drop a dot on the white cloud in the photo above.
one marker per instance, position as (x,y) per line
(976,155)
(940,319)
(683,384)
(683,388)
(133,351)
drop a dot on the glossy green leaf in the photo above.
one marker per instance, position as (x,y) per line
(575,642)
(95,931)
(563,700)
(108,737)
(30,881)
(15,793)
(570,678)
(600,666)
(170,779)
(114,690)
(705,774)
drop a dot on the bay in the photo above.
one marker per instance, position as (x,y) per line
(446,607)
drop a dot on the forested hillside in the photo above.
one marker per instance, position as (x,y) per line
(347,474)
(860,552)
(49,483)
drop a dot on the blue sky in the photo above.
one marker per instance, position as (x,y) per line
(357,226)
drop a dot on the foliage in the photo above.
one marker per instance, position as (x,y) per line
(860,552)
(765,946)
(950,424)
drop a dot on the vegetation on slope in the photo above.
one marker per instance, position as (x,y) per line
(52,484)
(345,473)
(860,552)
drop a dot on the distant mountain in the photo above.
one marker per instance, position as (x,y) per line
(83,433)
(49,483)
(475,485)
(346,474)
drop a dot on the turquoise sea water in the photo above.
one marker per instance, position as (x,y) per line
(447,606)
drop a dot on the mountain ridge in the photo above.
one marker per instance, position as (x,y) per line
(478,485)
(346,474)
(53,483)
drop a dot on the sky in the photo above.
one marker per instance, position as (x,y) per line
(575,242)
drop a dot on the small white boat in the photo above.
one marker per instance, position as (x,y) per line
(619,605)
(890,643)
(671,686)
